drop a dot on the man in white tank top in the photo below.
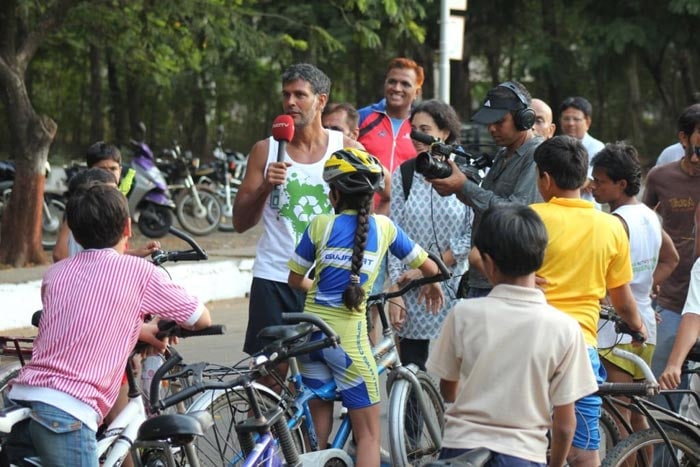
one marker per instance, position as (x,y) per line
(616,181)
(303,195)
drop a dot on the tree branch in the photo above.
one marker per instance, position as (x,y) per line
(47,24)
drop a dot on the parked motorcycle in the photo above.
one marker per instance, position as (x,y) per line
(53,206)
(197,207)
(150,203)
(229,169)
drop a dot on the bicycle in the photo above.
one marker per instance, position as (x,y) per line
(264,437)
(416,408)
(115,441)
(677,436)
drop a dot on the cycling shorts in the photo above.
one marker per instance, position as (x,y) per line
(587,409)
(351,365)
(646,353)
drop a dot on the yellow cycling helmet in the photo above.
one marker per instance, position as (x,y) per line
(353,170)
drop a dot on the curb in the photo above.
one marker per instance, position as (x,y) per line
(210,280)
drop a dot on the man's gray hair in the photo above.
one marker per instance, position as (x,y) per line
(319,81)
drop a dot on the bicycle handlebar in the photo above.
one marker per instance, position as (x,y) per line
(443,275)
(628,389)
(171,328)
(621,327)
(196,253)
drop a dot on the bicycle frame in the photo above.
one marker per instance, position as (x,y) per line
(264,449)
(122,432)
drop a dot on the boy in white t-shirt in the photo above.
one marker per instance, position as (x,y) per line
(512,365)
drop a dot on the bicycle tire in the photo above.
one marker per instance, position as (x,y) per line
(610,434)
(409,439)
(631,451)
(8,374)
(220,445)
(185,206)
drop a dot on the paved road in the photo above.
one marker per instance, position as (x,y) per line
(221,349)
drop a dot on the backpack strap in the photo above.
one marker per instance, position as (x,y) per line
(367,128)
(407,169)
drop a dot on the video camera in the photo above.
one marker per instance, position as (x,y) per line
(431,165)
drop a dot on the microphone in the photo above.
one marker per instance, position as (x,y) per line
(424,137)
(282,132)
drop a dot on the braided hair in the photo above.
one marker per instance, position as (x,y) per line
(354,294)
(354,176)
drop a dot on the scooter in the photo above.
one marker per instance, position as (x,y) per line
(54,203)
(150,203)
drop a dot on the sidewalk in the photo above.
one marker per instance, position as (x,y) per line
(227,274)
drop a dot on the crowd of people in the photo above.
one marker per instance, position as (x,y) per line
(551,230)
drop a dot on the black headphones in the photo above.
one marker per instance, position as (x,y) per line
(523,118)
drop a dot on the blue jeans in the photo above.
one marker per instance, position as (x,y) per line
(60,439)
(497,459)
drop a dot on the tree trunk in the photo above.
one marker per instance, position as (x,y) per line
(635,108)
(96,125)
(32,134)
(198,133)
(117,104)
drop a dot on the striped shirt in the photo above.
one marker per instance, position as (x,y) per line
(93,307)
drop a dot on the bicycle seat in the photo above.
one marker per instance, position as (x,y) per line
(475,458)
(285,333)
(179,428)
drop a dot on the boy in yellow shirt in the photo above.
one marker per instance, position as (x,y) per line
(587,255)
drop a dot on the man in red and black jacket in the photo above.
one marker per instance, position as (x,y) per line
(385,130)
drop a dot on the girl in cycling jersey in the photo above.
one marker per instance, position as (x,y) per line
(347,250)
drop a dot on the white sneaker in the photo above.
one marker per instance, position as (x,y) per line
(384,456)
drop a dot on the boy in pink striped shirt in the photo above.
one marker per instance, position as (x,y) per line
(94,305)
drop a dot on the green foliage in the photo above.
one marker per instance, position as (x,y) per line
(201,63)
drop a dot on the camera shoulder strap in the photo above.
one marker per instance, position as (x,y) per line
(407,169)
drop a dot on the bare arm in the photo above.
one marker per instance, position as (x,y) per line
(697,234)
(626,306)
(255,187)
(299,282)
(431,294)
(204,319)
(448,390)
(563,428)
(688,333)
(668,259)
(385,195)
(60,251)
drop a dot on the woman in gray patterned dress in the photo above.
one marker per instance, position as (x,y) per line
(439,224)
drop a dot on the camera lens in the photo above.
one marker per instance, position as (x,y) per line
(430,167)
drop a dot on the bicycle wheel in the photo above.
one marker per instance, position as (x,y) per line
(9,373)
(219,445)
(609,433)
(636,450)
(199,221)
(409,438)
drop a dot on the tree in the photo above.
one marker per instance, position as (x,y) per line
(22,31)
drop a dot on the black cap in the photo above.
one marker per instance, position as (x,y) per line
(496,106)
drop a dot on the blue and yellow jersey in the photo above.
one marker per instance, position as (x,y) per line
(328,242)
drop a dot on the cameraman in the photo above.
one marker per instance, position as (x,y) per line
(512,178)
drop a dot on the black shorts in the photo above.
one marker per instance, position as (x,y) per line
(268,300)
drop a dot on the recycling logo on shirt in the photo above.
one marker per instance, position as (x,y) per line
(303,202)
